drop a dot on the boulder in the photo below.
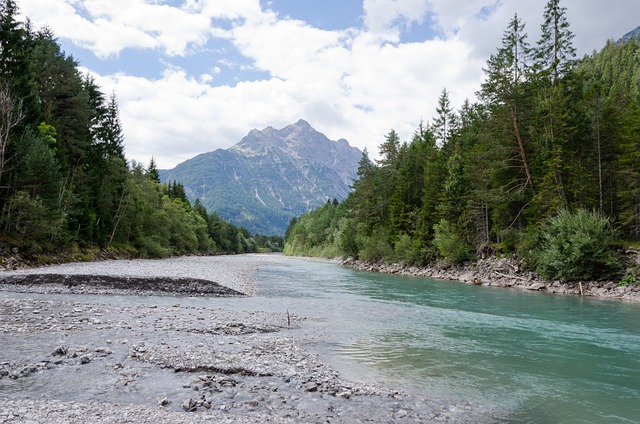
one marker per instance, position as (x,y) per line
(536,287)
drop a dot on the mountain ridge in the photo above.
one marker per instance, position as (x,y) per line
(629,35)
(270,176)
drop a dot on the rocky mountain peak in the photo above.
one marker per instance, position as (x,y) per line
(270,176)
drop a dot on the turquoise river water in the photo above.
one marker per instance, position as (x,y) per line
(530,357)
(537,358)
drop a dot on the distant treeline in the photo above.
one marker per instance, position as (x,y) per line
(546,160)
(64,180)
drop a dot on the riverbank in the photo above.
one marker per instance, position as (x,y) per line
(144,359)
(233,272)
(504,273)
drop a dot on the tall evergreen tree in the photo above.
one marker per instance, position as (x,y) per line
(152,171)
(554,59)
(366,198)
(11,115)
(555,54)
(445,124)
(503,91)
(16,68)
(433,181)
(406,200)
(389,150)
(629,173)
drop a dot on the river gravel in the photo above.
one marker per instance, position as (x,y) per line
(234,272)
(66,361)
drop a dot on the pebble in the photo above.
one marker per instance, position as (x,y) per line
(234,366)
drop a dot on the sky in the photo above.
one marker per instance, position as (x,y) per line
(192,76)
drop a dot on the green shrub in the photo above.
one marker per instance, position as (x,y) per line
(377,247)
(155,247)
(528,246)
(411,252)
(628,280)
(509,240)
(631,277)
(449,243)
(348,240)
(575,246)
(33,220)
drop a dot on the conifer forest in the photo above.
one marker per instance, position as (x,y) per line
(543,164)
(65,184)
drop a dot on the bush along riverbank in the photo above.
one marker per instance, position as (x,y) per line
(511,273)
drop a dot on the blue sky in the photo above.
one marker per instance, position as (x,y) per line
(326,14)
(192,76)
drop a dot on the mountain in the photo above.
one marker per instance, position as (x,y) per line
(631,34)
(270,176)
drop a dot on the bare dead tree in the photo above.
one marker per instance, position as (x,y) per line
(10,116)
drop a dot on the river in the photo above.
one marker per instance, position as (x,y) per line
(533,358)
(540,358)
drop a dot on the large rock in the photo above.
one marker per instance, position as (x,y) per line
(537,286)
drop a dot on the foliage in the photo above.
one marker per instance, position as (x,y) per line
(348,241)
(410,251)
(32,220)
(550,134)
(628,280)
(316,233)
(575,246)
(451,246)
(65,183)
(376,247)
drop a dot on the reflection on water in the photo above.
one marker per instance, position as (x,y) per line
(539,358)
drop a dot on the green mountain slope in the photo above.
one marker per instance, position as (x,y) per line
(270,176)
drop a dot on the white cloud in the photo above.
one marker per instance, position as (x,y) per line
(108,27)
(389,16)
(357,83)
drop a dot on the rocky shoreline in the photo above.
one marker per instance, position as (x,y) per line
(77,361)
(505,273)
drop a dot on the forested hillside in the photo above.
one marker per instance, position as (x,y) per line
(545,163)
(65,184)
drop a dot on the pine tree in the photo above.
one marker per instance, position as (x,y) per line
(389,150)
(113,134)
(152,171)
(629,173)
(406,199)
(445,124)
(364,199)
(11,115)
(503,90)
(16,68)
(434,176)
(555,54)
(554,59)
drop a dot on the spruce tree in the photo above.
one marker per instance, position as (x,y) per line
(152,171)
(554,59)
(503,92)
(445,124)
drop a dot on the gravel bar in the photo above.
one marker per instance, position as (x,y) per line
(67,361)
(234,272)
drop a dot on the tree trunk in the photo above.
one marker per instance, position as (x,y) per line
(10,115)
(523,155)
